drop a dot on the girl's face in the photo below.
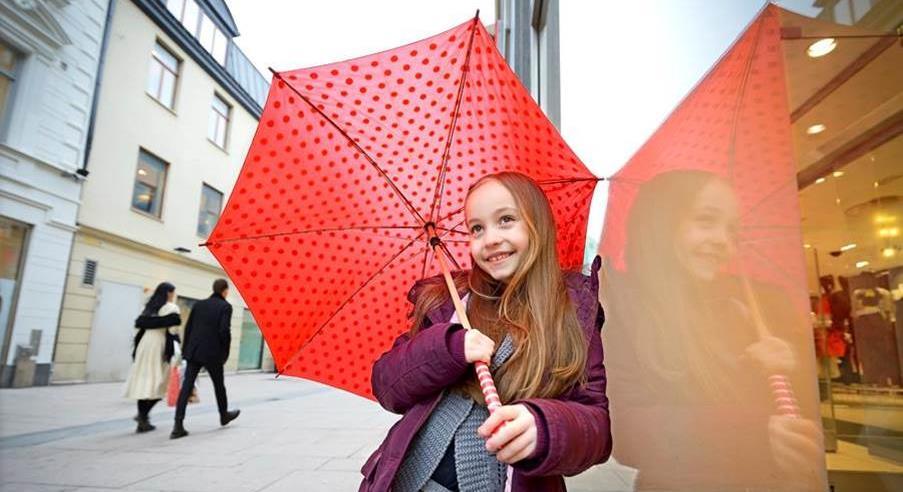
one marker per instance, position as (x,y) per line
(498,234)
(171,295)
(706,237)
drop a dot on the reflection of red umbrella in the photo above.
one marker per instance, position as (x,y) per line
(735,124)
(352,162)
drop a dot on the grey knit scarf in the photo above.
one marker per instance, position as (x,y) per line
(455,417)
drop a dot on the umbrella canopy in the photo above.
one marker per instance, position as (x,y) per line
(325,230)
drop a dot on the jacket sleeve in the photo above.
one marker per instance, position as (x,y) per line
(225,331)
(188,328)
(153,322)
(574,433)
(420,367)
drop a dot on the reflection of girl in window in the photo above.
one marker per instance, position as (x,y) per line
(687,366)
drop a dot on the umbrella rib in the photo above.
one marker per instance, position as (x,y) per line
(567,181)
(763,200)
(350,297)
(732,158)
(310,231)
(778,269)
(363,152)
(436,207)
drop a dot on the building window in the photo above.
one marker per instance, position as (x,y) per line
(150,180)
(9,60)
(219,47)
(187,12)
(200,26)
(218,125)
(164,72)
(212,39)
(211,203)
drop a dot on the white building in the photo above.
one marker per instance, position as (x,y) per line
(49,54)
(177,107)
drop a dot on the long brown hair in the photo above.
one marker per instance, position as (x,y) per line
(534,307)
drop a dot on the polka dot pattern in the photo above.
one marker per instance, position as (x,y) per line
(323,233)
(736,124)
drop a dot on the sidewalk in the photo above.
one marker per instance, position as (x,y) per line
(292,435)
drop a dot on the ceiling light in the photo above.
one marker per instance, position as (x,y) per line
(807,245)
(862,264)
(848,247)
(816,129)
(142,172)
(837,174)
(821,47)
(819,180)
(888,252)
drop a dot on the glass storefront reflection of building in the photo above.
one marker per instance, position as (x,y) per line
(846,96)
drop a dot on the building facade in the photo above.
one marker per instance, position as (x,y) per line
(49,56)
(177,108)
(527,34)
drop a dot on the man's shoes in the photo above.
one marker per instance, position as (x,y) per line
(144,425)
(178,430)
(228,417)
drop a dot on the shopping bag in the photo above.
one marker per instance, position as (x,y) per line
(175,383)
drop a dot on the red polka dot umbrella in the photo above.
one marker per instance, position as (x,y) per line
(354,168)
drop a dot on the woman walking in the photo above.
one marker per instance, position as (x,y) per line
(155,332)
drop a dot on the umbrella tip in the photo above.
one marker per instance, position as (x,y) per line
(477,16)
(273,71)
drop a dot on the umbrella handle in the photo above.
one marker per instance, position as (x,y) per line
(487,385)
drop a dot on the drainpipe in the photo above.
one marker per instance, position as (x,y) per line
(83,171)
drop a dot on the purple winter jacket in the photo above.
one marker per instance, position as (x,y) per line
(574,430)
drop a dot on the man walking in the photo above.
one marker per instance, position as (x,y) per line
(206,344)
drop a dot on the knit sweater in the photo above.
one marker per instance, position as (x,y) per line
(457,418)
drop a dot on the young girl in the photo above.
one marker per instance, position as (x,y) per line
(539,330)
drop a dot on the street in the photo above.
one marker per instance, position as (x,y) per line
(292,435)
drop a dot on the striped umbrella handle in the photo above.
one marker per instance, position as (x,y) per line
(782,391)
(487,385)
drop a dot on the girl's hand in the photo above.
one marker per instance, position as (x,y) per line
(772,355)
(510,433)
(477,347)
(796,446)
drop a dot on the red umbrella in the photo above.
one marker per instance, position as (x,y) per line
(354,168)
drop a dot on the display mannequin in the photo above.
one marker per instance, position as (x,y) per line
(873,315)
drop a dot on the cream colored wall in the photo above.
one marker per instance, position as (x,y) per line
(125,262)
(129,119)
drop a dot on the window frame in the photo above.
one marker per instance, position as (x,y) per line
(6,113)
(220,117)
(161,186)
(202,211)
(155,59)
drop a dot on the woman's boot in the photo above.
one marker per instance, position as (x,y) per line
(144,425)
